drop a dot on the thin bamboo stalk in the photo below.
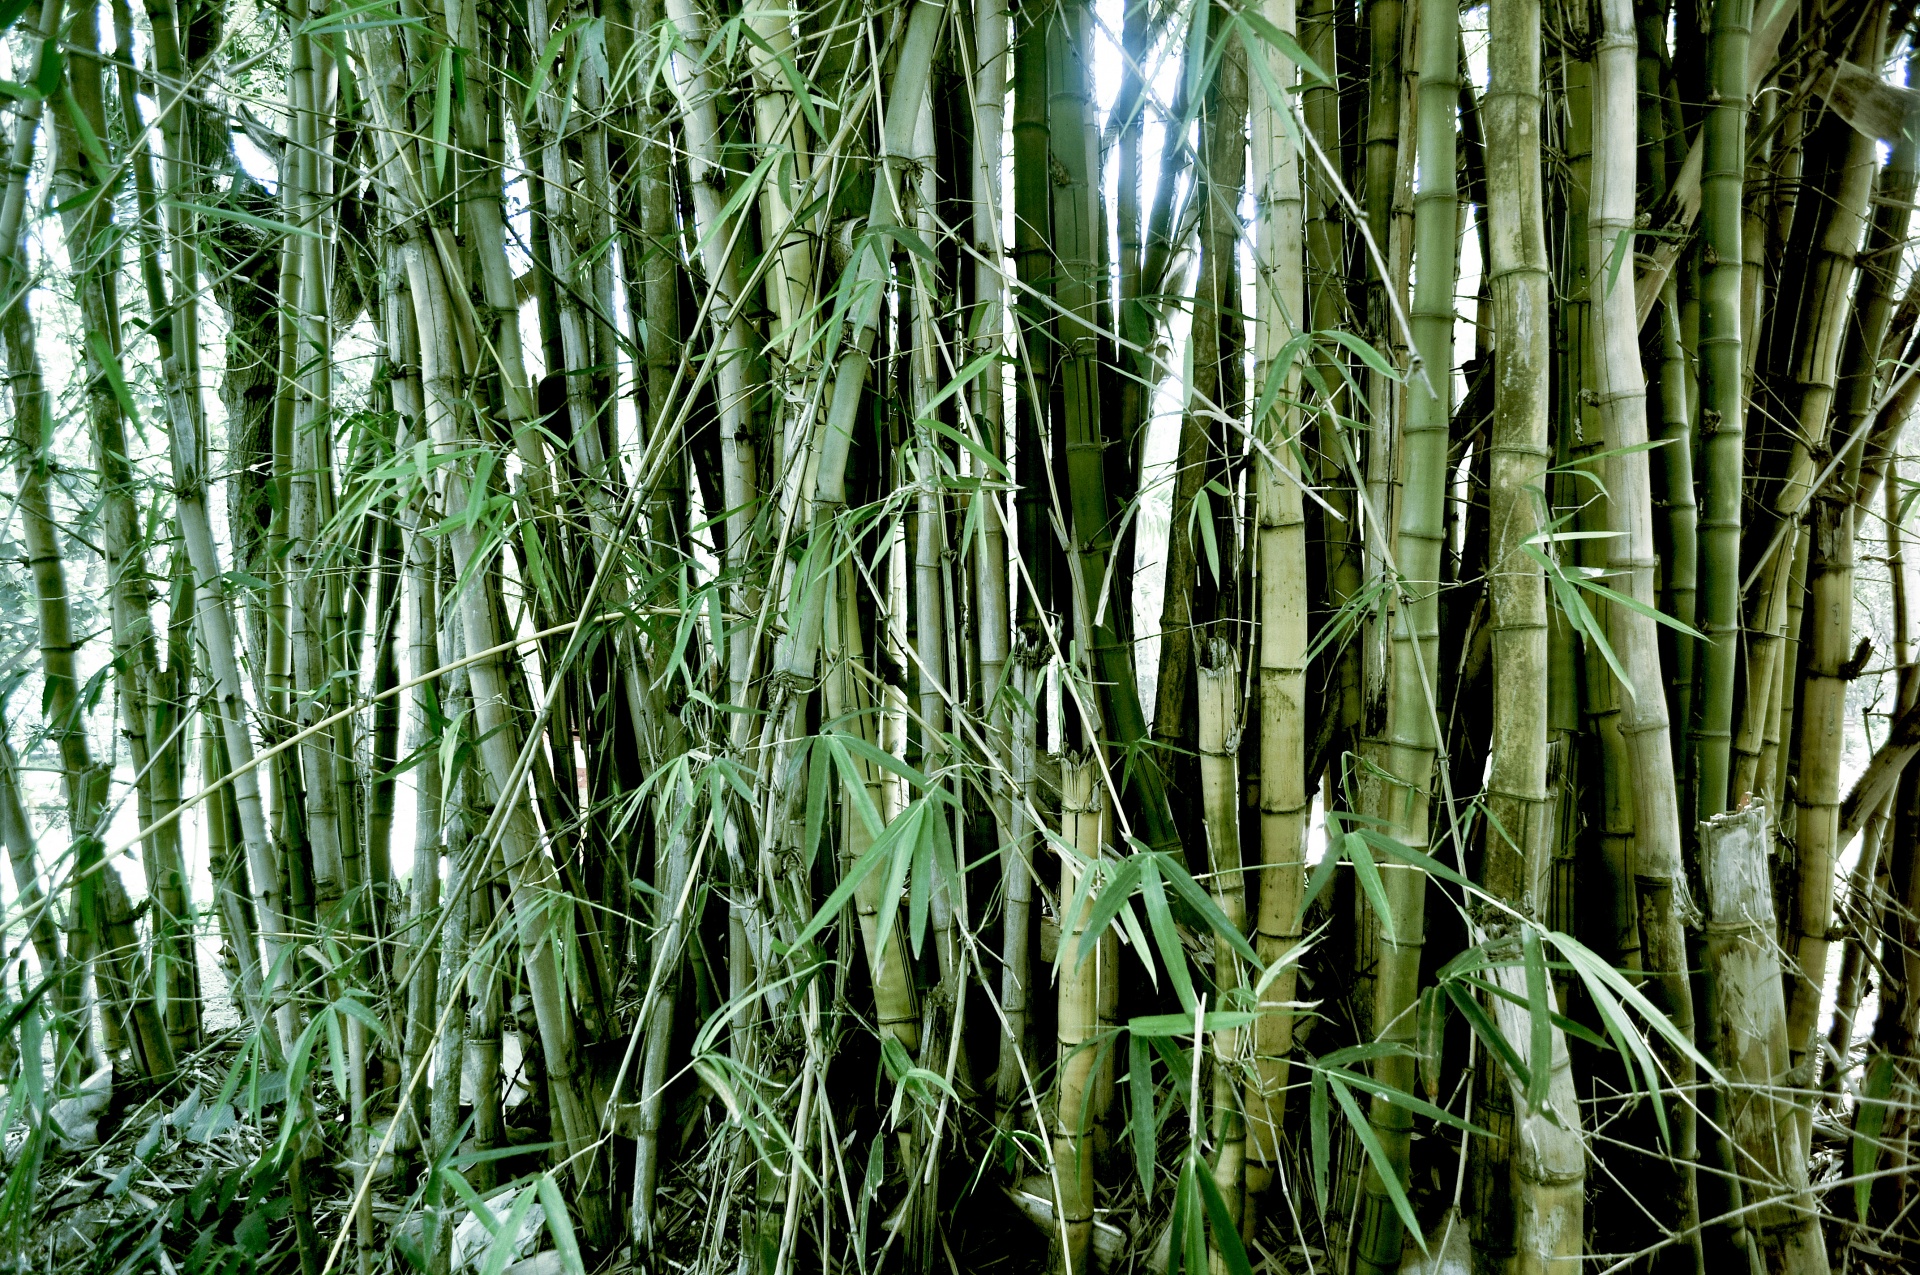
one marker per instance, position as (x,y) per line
(1722,403)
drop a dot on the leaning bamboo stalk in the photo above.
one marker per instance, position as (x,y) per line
(1281,548)
(1411,743)
(1621,399)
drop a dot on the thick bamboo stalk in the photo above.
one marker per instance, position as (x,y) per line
(1412,740)
(1620,393)
(1279,305)
(1017,876)
(1747,1036)
(740,470)
(1545,1156)
(1821,724)
(86,220)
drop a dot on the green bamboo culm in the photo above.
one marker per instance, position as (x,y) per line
(1412,741)
(1722,403)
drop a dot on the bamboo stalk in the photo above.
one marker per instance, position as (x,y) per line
(1280,303)
(1083,829)
(1621,399)
(1412,741)
(1219,740)
(1722,404)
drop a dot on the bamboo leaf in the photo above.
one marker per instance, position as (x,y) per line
(1368,874)
(1166,935)
(506,1239)
(560,1225)
(1283,43)
(1869,1120)
(1489,1032)
(1140,1116)
(1383,1166)
(1226,1236)
(1540,1049)
(1175,874)
(244,218)
(1113,896)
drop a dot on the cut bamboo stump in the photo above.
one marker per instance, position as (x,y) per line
(1746,1037)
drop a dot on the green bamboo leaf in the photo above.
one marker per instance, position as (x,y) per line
(1420,1106)
(1430,1031)
(1366,353)
(883,759)
(1168,1026)
(10,13)
(1577,1030)
(1166,935)
(1869,1120)
(1406,854)
(505,1240)
(819,776)
(905,839)
(1283,43)
(1383,1165)
(471,1198)
(921,883)
(880,852)
(442,113)
(1368,874)
(1594,970)
(1540,1049)
(1319,1139)
(853,781)
(1175,874)
(244,218)
(1633,1049)
(1113,896)
(1322,873)
(560,1225)
(1140,1117)
(52,70)
(543,68)
(361,1014)
(1226,1236)
(1489,1032)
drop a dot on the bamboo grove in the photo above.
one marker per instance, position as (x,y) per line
(959,634)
